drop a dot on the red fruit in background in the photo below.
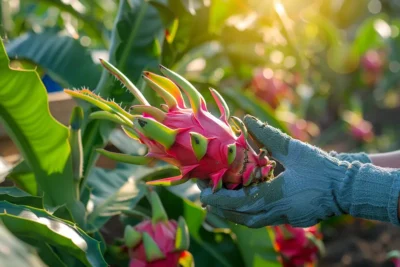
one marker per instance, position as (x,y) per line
(372,64)
(360,129)
(298,128)
(303,130)
(269,88)
(298,246)
(372,61)
(394,258)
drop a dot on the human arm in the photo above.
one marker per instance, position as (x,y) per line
(385,160)
(313,187)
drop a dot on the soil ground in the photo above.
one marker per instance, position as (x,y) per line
(359,243)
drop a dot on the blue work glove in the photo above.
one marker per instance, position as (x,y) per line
(350,157)
(313,187)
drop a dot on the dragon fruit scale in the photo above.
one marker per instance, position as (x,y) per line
(298,246)
(158,242)
(201,145)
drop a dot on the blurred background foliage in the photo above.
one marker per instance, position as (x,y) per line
(324,71)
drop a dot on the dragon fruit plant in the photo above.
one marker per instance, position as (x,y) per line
(158,242)
(298,246)
(201,145)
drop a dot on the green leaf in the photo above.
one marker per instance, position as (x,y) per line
(209,248)
(42,141)
(37,224)
(256,246)
(192,29)
(24,178)
(112,191)
(367,36)
(134,41)
(249,103)
(60,56)
(18,254)
(17,196)
(91,25)
(46,252)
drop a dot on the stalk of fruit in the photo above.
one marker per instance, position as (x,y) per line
(201,145)
(158,242)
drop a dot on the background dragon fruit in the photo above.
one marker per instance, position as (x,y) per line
(201,145)
(158,242)
(298,246)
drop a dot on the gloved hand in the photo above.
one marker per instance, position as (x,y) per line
(313,187)
(350,157)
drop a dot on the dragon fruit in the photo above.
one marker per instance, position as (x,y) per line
(201,145)
(269,88)
(298,246)
(158,242)
(393,259)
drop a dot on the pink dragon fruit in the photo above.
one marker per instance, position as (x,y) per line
(270,88)
(298,246)
(201,145)
(158,242)
(393,258)
(372,64)
(359,128)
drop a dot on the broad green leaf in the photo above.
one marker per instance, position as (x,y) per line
(24,178)
(209,248)
(17,253)
(38,224)
(256,246)
(251,105)
(42,141)
(391,78)
(367,36)
(46,252)
(17,196)
(134,47)
(192,29)
(112,191)
(60,55)
(90,24)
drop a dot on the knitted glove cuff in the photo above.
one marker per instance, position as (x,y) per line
(371,192)
(350,157)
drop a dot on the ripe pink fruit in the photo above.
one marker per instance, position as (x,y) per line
(362,131)
(372,64)
(201,145)
(298,246)
(158,242)
(359,128)
(394,258)
(269,88)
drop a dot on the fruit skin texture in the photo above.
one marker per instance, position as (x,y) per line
(297,246)
(214,163)
(204,147)
(158,242)
(163,233)
(201,145)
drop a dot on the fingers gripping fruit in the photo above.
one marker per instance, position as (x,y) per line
(201,145)
(158,242)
